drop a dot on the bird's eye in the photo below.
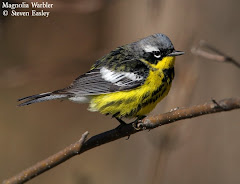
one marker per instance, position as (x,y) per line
(157,54)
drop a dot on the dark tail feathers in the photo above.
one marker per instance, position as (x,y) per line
(40,98)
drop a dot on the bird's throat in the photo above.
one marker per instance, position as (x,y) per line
(166,63)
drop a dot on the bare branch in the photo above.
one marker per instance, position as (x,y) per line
(123,131)
(48,163)
(218,56)
(186,113)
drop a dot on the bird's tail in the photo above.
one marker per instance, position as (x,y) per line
(41,98)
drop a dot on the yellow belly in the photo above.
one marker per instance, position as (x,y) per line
(139,101)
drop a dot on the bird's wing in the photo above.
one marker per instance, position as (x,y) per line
(104,80)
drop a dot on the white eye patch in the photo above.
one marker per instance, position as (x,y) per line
(157,54)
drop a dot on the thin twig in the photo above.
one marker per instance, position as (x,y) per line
(123,131)
(216,56)
(48,163)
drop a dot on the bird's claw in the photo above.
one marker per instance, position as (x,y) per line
(138,125)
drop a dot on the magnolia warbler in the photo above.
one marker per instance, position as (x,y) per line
(126,83)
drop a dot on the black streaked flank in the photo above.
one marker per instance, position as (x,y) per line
(158,89)
(129,100)
(146,95)
(167,80)
(168,75)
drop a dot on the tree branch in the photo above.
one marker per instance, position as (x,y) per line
(123,131)
(218,56)
(48,163)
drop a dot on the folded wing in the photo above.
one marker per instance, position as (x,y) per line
(104,80)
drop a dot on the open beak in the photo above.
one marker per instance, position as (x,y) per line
(176,53)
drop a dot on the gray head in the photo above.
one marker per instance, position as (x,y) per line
(157,45)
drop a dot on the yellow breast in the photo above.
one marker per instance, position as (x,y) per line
(141,100)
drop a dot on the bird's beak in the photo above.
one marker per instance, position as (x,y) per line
(176,53)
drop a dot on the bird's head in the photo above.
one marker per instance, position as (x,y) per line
(156,50)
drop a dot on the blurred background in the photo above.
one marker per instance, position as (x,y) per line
(39,54)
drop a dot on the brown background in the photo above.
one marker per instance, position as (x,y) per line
(39,54)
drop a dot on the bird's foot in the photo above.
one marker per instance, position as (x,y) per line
(137,124)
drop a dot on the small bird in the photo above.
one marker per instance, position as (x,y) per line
(126,83)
